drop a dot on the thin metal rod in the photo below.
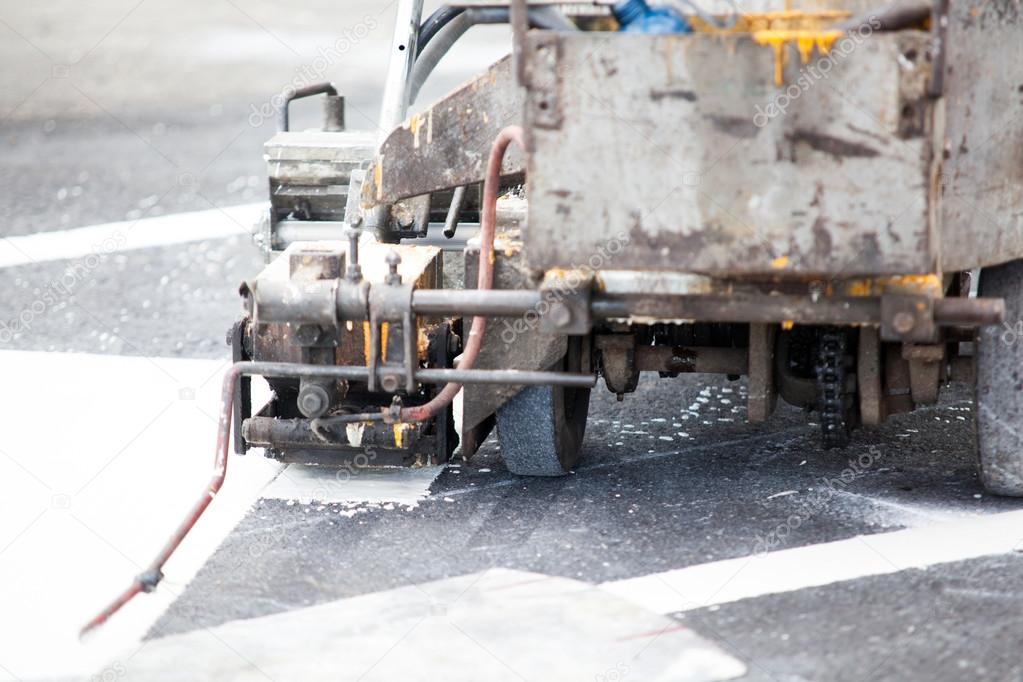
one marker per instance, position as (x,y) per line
(778,308)
(451,220)
(511,377)
(969,311)
(720,308)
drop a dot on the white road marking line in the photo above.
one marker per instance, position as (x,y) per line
(787,570)
(101,456)
(496,624)
(129,235)
(353,485)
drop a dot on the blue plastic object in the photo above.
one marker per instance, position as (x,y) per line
(636,16)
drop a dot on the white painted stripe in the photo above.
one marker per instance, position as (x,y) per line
(353,485)
(801,567)
(101,456)
(216,223)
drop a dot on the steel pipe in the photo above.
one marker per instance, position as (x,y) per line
(491,303)
(510,377)
(717,308)
(969,311)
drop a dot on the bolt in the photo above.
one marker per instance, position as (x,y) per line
(389,383)
(313,400)
(559,315)
(353,272)
(903,322)
(308,334)
(393,261)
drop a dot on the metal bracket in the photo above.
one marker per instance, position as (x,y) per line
(543,96)
(907,318)
(763,396)
(242,408)
(925,364)
(939,34)
(564,305)
(618,360)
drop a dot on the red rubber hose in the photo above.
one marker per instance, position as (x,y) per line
(485,281)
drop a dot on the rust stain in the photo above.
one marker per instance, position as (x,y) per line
(829,144)
(657,94)
(736,126)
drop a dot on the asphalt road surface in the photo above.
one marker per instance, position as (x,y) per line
(134,111)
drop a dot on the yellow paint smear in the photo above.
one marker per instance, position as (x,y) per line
(367,339)
(773,21)
(416,125)
(805,42)
(399,434)
(787,325)
(806,30)
(378,177)
(927,285)
(780,263)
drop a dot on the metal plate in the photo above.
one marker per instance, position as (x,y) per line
(981,177)
(447,145)
(667,141)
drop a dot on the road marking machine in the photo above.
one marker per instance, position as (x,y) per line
(824,197)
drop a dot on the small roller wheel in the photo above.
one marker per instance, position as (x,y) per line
(541,429)
(999,396)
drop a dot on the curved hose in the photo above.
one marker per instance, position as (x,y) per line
(434,23)
(485,280)
(440,40)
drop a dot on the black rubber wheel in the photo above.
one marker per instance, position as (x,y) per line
(999,397)
(541,430)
